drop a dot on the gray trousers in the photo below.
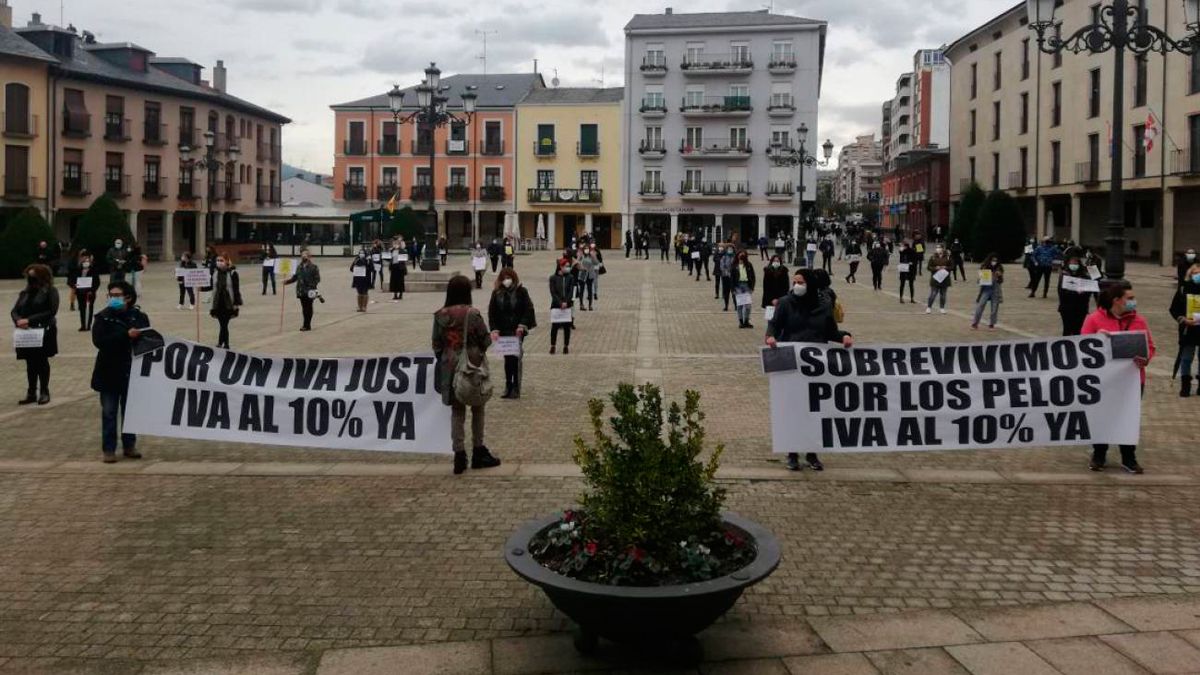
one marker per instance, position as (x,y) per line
(458,424)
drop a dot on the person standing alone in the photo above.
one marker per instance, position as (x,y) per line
(227,298)
(307,278)
(36,309)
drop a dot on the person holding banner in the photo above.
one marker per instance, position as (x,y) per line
(806,315)
(398,267)
(853,254)
(186,263)
(360,279)
(508,253)
(267,257)
(459,334)
(562,298)
(743,280)
(511,315)
(991,281)
(1074,303)
(1117,313)
(36,340)
(1185,263)
(227,298)
(307,278)
(117,328)
(908,271)
(478,263)
(84,279)
(1185,309)
(776,282)
(939,281)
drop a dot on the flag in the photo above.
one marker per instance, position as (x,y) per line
(1151,132)
(391,204)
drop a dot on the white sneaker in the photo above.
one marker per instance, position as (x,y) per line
(191,308)
(929,310)
(942,311)
(179,307)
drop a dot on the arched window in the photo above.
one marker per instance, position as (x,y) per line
(16,109)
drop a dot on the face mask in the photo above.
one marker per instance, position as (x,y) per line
(118,244)
(774,265)
(507,283)
(116,304)
(222,266)
(1130,305)
(86,265)
(799,291)
(940,251)
(1196,278)
(1190,257)
(1073,267)
(566,270)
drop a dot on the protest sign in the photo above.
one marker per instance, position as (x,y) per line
(403,257)
(811,248)
(893,398)
(985,277)
(507,346)
(743,299)
(1193,306)
(198,278)
(28,338)
(83,283)
(1080,285)
(285,267)
(769,313)
(387,255)
(903,267)
(695,255)
(1094,272)
(269,262)
(359,271)
(383,403)
(1028,249)
(560,316)
(479,264)
(940,276)
(376,257)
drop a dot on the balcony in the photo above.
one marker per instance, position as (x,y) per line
(545,148)
(190,138)
(1016,181)
(117,185)
(715,190)
(717,106)
(389,146)
(354,192)
(420,193)
(117,129)
(782,107)
(19,188)
(715,151)
(221,142)
(154,133)
(782,64)
(216,192)
(1185,163)
(736,63)
(276,153)
(263,151)
(492,193)
(652,190)
(492,148)
(780,191)
(386,191)
(266,194)
(652,149)
(1087,173)
(233,192)
(653,108)
(458,193)
(565,196)
(422,148)
(19,126)
(459,147)
(588,149)
(77,125)
(77,186)
(654,66)
(354,147)
(187,190)
(154,187)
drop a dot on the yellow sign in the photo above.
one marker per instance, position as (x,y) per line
(285,267)
(1193,306)
(985,277)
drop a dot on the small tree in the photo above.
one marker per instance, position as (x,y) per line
(99,226)
(19,241)
(966,218)
(999,229)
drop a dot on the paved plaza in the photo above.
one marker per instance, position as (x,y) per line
(279,560)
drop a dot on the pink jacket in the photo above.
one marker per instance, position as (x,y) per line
(1103,320)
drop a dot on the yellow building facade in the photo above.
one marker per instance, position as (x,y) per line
(24,122)
(569,165)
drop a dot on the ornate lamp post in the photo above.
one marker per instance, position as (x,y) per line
(1120,26)
(207,162)
(431,113)
(799,157)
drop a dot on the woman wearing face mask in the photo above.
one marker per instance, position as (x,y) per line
(991,281)
(210,264)
(600,270)
(478,263)
(878,257)
(908,276)
(511,314)
(1185,263)
(227,298)
(360,280)
(118,326)
(307,278)
(1187,297)
(586,269)
(853,254)
(398,267)
(1073,306)
(186,262)
(118,261)
(938,262)
(84,281)
(443,250)
(36,308)
(562,296)
(806,315)
(1118,313)
(776,282)
(742,277)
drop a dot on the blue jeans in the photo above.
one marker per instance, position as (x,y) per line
(743,311)
(810,256)
(986,295)
(112,413)
(1187,354)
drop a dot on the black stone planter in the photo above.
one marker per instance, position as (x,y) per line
(642,615)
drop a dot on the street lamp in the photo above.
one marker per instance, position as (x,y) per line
(799,157)
(431,113)
(1119,26)
(207,162)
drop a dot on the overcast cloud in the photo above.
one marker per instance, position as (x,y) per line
(300,56)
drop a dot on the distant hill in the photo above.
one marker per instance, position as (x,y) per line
(290,171)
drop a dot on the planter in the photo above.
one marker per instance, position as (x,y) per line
(642,615)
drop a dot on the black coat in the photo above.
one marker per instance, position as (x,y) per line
(750,280)
(225,306)
(39,306)
(1073,303)
(1188,335)
(74,272)
(776,284)
(911,258)
(510,309)
(110,335)
(807,319)
(562,289)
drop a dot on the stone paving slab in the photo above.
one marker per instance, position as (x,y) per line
(894,632)
(1157,652)
(1152,614)
(1042,621)
(916,662)
(1000,658)
(1084,656)
(831,664)
(450,658)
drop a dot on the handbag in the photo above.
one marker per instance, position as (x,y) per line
(472,383)
(601,270)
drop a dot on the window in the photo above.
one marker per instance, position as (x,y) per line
(1139,82)
(692,180)
(1055,162)
(781,137)
(971,167)
(114,173)
(389,142)
(739,52)
(655,56)
(589,180)
(737,137)
(652,181)
(781,52)
(150,178)
(738,178)
(1025,113)
(390,176)
(491,176)
(357,176)
(187,127)
(997,70)
(458,176)
(971,128)
(493,142)
(424,140)
(545,139)
(693,138)
(545,179)
(694,52)
(73,181)
(458,132)
(76,120)
(974,80)
(114,117)
(16,110)
(694,96)
(152,127)
(996,120)
(16,170)
(1192,165)
(653,99)
(1139,151)
(1056,104)
(1094,156)
(654,137)
(739,93)
(589,139)
(423,176)
(1093,93)
(1195,73)
(995,171)
(781,95)
(356,145)
(1024,167)
(1025,59)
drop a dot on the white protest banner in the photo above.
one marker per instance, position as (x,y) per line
(1028,249)
(811,248)
(83,283)
(507,346)
(403,257)
(893,398)
(1080,285)
(479,264)
(940,275)
(382,403)
(376,257)
(28,338)
(359,271)
(743,299)
(560,316)
(1094,272)
(903,267)
(695,255)
(769,313)
(387,255)
(268,262)
(197,278)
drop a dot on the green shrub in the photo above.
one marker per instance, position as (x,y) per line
(19,241)
(99,226)
(964,226)
(1000,228)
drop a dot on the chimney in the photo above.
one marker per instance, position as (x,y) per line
(670,11)
(5,14)
(219,77)
(35,19)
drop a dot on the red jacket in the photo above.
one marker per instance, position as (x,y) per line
(1103,320)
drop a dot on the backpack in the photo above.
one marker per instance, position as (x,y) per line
(472,383)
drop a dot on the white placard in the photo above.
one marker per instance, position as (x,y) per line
(28,338)
(769,313)
(560,315)
(198,278)
(1028,249)
(743,299)
(507,346)
(985,277)
(376,257)
(268,262)
(403,257)
(508,250)
(479,264)
(1080,285)
(359,271)
(941,275)
(695,255)
(1094,272)
(853,258)
(441,251)
(335,403)
(83,283)
(904,267)
(179,271)
(955,396)
(387,255)
(811,248)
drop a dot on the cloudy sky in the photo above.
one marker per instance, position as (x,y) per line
(300,56)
